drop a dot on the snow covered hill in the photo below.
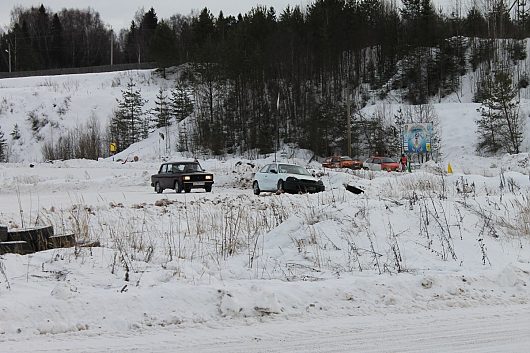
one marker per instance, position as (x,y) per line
(65,102)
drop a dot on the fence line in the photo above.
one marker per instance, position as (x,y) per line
(80,70)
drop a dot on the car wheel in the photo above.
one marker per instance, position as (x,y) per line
(208,188)
(158,189)
(280,185)
(187,189)
(178,187)
(255,188)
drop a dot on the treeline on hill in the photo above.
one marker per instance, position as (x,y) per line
(265,77)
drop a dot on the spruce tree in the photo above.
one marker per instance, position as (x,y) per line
(15,134)
(3,147)
(163,47)
(161,111)
(500,126)
(181,104)
(160,116)
(129,124)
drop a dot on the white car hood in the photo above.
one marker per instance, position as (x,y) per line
(298,176)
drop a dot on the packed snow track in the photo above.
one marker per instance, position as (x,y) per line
(478,329)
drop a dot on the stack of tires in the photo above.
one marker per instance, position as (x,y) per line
(30,240)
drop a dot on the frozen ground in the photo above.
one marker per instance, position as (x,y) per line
(228,269)
(423,261)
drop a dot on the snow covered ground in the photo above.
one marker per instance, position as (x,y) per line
(422,261)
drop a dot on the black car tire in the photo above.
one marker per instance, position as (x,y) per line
(158,189)
(255,188)
(187,189)
(178,187)
(208,188)
(280,185)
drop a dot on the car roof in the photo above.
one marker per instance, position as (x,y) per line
(182,162)
(286,163)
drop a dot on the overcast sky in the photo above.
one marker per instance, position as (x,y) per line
(120,13)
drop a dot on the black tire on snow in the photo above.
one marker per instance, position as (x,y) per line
(255,188)
(280,185)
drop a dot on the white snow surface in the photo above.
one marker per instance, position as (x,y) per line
(191,268)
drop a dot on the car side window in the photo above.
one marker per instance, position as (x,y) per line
(273,168)
(163,169)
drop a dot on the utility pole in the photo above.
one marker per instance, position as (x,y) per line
(348,120)
(9,53)
(111,47)
(277,126)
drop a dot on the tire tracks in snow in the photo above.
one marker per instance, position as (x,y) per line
(477,329)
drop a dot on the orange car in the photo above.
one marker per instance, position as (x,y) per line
(342,162)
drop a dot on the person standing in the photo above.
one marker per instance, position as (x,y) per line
(403,160)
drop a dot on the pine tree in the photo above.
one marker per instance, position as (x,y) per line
(161,111)
(500,126)
(3,147)
(129,124)
(148,27)
(183,143)
(15,134)
(488,124)
(163,47)
(57,50)
(181,105)
(160,116)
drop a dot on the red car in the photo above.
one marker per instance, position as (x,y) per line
(381,163)
(342,162)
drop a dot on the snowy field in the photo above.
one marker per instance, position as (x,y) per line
(421,262)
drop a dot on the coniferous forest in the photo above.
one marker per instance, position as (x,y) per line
(286,75)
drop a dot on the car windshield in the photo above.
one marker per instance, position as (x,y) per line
(187,167)
(345,158)
(292,169)
(388,160)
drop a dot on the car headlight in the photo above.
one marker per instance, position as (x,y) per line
(187,177)
(208,177)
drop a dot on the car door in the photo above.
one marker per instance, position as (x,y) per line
(262,177)
(163,177)
(272,177)
(368,164)
(377,164)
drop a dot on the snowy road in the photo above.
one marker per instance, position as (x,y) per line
(479,329)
